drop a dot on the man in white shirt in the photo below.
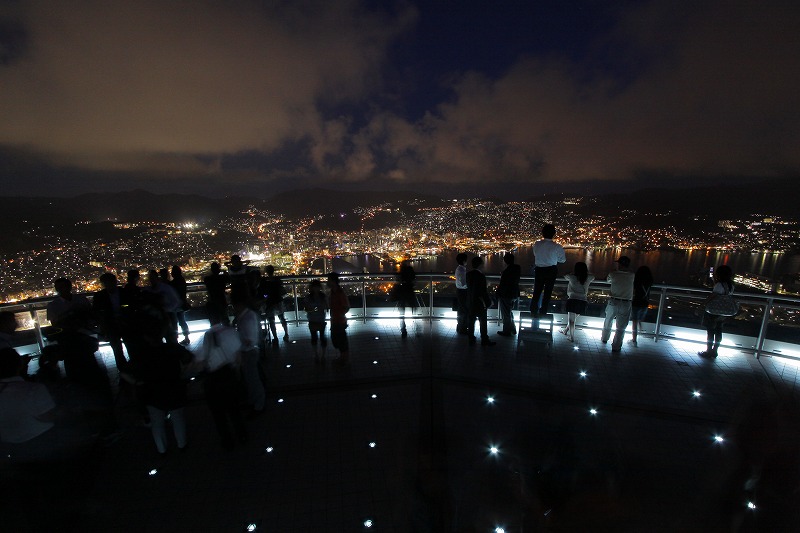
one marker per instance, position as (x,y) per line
(68,311)
(461,293)
(619,303)
(249,327)
(169,301)
(547,255)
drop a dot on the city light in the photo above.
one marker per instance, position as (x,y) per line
(490,399)
(152,472)
(494,450)
(751,505)
(374,396)
(583,373)
(368,523)
(372,444)
(592,411)
(719,438)
(696,394)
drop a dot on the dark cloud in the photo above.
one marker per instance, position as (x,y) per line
(305,92)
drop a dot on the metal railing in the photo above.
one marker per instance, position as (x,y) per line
(768,324)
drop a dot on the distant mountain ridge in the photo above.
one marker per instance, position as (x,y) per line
(775,197)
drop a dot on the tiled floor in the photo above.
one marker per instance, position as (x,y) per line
(646,459)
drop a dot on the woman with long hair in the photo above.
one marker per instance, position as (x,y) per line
(577,289)
(723,285)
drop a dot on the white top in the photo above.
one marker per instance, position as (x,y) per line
(576,290)
(249,327)
(21,402)
(621,285)
(461,277)
(58,307)
(220,346)
(548,253)
(170,299)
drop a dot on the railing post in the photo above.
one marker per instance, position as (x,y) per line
(364,298)
(37,327)
(430,298)
(296,303)
(762,332)
(661,303)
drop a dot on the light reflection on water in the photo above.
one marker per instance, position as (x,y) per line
(672,267)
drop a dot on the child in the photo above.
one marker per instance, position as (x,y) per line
(577,289)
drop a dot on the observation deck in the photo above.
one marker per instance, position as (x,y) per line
(427,433)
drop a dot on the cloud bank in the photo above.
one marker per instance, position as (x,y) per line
(188,87)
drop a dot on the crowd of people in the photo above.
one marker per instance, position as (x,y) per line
(142,323)
(628,298)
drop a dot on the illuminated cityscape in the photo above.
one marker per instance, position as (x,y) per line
(410,229)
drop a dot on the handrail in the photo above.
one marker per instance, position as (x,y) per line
(427,281)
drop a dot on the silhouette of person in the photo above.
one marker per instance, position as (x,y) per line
(461,294)
(339,306)
(216,303)
(107,310)
(237,275)
(479,301)
(507,294)
(164,297)
(547,256)
(619,303)
(577,297)
(723,284)
(248,325)
(405,294)
(273,290)
(316,305)
(179,284)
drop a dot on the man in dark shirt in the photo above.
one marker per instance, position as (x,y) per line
(478,301)
(217,304)
(507,293)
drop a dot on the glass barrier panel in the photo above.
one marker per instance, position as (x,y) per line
(783,330)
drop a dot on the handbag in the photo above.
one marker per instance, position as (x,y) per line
(722,305)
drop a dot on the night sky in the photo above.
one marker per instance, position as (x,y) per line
(446,97)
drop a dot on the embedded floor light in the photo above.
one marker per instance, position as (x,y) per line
(372,444)
(153,472)
(375,362)
(367,523)
(280,400)
(269,449)
(374,396)
(592,411)
(294,342)
(696,394)
(499,529)
(376,338)
(583,373)
(494,450)
(288,366)
(719,438)
(575,348)
(751,505)
(490,399)
(251,527)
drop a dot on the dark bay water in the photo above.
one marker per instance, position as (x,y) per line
(674,267)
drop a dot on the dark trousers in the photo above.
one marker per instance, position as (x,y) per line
(339,337)
(317,329)
(463,312)
(545,279)
(222,392)
(181,316)
(480,315)
(218,313)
